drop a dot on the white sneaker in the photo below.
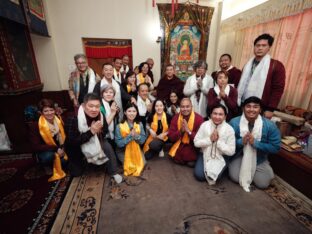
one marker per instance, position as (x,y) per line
(117,178)
(211,182)
(161,154)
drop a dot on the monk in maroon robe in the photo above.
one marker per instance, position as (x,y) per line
(234,73)
(170,82)
(182,131)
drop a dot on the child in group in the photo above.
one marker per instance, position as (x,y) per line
(129,135)
(157,125)
(216,138)
(174,105)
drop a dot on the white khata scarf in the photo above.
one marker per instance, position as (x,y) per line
(92,82)
(108,112)
(227,92)
(200,107)
(256,83)
(117,95)
(213,159)
(92,149)
(249,160)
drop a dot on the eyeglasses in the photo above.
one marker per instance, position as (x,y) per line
(81,63)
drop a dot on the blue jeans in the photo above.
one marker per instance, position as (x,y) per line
(46,158)
(199,172)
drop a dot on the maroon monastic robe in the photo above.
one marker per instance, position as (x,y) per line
(234,76)
(230,102)
(185,152)
(274,85)
(165,87)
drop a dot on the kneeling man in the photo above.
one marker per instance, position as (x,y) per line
(183,128)
(86,139)
(256,137)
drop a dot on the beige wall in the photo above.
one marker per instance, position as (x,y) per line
(226,40)
(70,20)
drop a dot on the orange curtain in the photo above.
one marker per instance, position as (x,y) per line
(293,47)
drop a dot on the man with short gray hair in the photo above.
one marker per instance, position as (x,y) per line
(197,87)
(81,81)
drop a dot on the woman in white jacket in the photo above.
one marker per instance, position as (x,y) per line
(216,139)
(197,87)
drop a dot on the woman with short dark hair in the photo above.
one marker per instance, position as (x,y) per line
(225,94)
(47,137)
(216,138)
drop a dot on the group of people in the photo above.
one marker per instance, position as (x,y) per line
(122,118)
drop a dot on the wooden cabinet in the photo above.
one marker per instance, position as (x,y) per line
(18,68)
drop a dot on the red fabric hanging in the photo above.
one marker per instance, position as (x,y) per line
(108,51)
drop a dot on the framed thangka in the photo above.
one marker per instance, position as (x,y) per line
(185,36)
(184,48)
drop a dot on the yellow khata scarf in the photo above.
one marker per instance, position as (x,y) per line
(154,127)
(185,138)
(46,135)
(129,88)
(141,78)
(133,162)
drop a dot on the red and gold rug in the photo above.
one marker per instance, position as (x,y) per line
(28,202)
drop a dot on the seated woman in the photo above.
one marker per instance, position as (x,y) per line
(174,105)
(143,77)
(47,137)
(224,94)
(216,138)
(109,108)
(129,135)
(130,84)
(157,125)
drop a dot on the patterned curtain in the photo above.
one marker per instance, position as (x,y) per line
(201,17)
(292,46)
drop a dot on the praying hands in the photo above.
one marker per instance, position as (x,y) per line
(214,136)
(248,138)
(96,127)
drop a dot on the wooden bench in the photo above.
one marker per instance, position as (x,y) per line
(295,169)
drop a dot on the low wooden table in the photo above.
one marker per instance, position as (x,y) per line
(295,169)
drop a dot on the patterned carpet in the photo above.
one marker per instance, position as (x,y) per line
(27,197)
(291,200)
(81,209)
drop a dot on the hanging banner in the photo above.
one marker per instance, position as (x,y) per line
(37,20)
(108,48)
(12,10)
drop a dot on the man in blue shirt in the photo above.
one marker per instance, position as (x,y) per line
(256,138)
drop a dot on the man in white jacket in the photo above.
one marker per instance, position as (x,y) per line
(197,87)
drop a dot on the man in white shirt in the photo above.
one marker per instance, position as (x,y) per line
(197,87)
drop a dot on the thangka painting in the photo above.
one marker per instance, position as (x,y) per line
(184,48)
(185,35)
